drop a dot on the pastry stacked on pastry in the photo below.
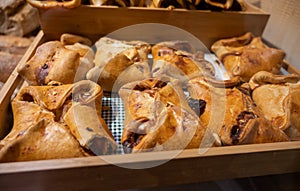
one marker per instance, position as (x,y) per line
(246,55)
(177,59)
(57,121)
(65,61)
(157,117)
(119,62)
(278,97)
(231,113)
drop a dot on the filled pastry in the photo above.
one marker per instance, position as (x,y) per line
(75,107)
(278,97)
(177,59)
(239,120)
(157,117)
(59,61)
(119,62)
(246,55)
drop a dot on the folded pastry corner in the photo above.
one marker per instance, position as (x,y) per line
(158,117)
(239,120)
(45,139)
(246,55)
(177,59)
(277,96)
(119,62)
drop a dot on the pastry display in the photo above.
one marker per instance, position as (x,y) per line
(58,61)
(119,62)
(157,117)
(41,4)
(71,108)
(239,120)
(177,59)
(246,55)
(278,97)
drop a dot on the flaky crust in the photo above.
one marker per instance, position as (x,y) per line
(157,117)
(240,121)
(176,59)
(246,55)
(119,62)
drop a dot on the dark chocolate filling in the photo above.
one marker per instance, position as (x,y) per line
(242,121)
(133,140)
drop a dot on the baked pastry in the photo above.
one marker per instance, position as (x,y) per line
(65,105)
(278,97)
(58,61)
(45,139)
(157,117)
(177,59)
(119,62)
(246,55)
(239,120)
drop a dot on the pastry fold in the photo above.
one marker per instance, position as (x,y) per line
(246,55)
(45,139)
(76,106)
(177,59)
(278,97)
(239,121)
(58,61)
(157,117)
(119,62)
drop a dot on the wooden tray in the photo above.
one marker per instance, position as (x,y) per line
(189,166)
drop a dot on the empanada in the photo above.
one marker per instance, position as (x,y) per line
(157,117)
(232,114)
(177,59)
(278,97)
(119,62)
(246,55)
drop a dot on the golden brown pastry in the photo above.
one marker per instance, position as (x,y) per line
(157,117)
(246,55)
(278,97)
(62,62)
(178,60)
(76,106)
(45,139)
(119,62)
(239,121)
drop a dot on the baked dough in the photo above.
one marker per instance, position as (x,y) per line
(239,121)
(75,106)
(177,59)
(246,55)
(119,62)
(278,97)
(157,117)
(58,61)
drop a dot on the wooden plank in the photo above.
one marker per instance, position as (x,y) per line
(207,26)
(12,83)
(188,167)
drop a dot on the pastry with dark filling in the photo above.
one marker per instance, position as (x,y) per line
(75,107)
(119,62)
(157,117)
(278,97)
(239,121)
(246,55)
(58,61)
(177,59)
